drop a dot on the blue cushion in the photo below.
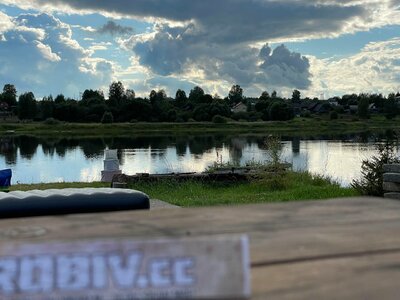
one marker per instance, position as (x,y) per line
(5,178)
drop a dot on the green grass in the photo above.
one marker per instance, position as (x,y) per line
(289,187)
(278,188)
(303,126)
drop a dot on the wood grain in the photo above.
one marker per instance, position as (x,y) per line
(336,249)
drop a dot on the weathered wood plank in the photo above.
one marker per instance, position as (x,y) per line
(355,278)
(391,177)
(344,248)
(391,168)
(391,187)
(392,196)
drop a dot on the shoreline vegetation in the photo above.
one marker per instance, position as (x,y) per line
(281,187)
(298,126)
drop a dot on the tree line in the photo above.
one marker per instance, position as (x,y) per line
(122,105)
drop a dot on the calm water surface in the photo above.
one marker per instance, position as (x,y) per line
(35,160)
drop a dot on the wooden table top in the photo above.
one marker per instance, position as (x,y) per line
(336,249)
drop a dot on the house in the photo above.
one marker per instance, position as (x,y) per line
(240,107)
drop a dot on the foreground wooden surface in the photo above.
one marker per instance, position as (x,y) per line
(337,249)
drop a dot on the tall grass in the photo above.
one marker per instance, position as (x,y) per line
(289,186)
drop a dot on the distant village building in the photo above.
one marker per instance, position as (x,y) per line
(240,107)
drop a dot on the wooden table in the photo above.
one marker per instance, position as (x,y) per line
(337,249)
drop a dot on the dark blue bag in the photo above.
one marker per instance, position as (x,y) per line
(5,178)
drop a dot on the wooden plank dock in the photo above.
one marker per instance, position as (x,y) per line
(336,249)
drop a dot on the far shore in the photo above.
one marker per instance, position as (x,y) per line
(296,127)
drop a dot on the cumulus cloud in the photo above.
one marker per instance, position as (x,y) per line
(233,21)
(178,50)
(6,22)
(114,29)
(40,55)
(224,41)
(47,52)
(376,68)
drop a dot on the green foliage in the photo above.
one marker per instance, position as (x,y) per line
(107,118)
(196,94)
(390,107)
(51,121)
(371,182)
(296,96)
(180,98)
(235,94)
(305,114)
(59,99)
(288,187)
(9,95)
(274,146)
(265,96)
(241,116)
(363,108)
(26,106)
(280,111)
(333,115)
(217,119)
(116,93)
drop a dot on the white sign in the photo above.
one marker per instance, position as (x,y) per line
(206,268)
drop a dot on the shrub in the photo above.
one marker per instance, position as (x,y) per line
(51,121)
(107,118)
(219,119)
(305,114)
(371,182)
(240,116)
(274,146)
(333,115)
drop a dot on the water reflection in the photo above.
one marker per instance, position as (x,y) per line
(34,159)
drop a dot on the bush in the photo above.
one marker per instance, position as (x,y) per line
(51,121)
(371,182)
(240,116)
(107,118)
(305,114)
(219,119)
(333,115)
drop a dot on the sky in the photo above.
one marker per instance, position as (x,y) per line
(323,48)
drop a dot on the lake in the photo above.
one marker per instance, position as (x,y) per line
(36,159)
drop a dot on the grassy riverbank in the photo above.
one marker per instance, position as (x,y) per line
(298,126)
(290,186)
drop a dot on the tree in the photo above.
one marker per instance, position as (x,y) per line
(116,93)
(363,107)
(265,96)
(296,96)
(371,182)
(107,118)
(390,107)
(130,94)
(92,97)
(157,97)
(46,107)
(180,98)
(280,111)
(274,95)
(9,95)
(235,94)
(26,106)
(196,94)
(59,99)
